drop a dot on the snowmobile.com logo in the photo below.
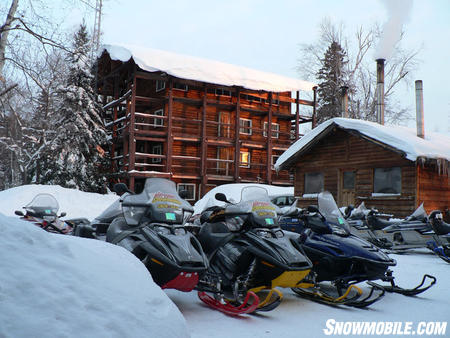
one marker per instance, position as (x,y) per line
(384,328)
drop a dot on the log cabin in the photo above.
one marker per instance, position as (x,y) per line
(198,122)
(389,168)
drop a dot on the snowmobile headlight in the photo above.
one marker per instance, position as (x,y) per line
(162,230)
(279,234)
(179,231)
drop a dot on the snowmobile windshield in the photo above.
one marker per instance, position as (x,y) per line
(418,215)
(43,205)
(329,209)
(255,202)
(158,202)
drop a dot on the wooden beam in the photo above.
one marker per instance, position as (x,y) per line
(132,141)
(314,116)
(269,143)
(169,142)
(204,146)
(237,148)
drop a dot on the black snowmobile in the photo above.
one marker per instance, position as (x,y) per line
(441,247)
(43,212)
(249,255)
(151,226)
(344,259)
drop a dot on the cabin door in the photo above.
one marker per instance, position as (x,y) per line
(347,188)
(224,126)
(223,161)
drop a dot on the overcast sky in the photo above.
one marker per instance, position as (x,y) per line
(265,35)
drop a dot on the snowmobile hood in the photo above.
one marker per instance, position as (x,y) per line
(347,247)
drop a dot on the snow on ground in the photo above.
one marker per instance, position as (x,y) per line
(233,193)
(75,203)
(63,286)
(80,287)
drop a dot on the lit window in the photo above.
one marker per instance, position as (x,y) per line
(158,122)
(160,85)
(275,129)
(189,188)
(387,180)
(313,183)
(246,126)
(244,159)
(157,150)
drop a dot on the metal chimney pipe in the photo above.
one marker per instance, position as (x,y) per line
(419,109)
(344,101)
(380,91)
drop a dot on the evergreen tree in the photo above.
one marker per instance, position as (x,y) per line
(332,78)
(74,157)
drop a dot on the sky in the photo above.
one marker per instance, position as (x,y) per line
(265,35)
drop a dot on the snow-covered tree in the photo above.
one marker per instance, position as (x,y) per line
(74,157)
(332,78)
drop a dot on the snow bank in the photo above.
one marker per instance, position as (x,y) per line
(233,192)
(75,203)
(63,286)
(435,146)
(193,68)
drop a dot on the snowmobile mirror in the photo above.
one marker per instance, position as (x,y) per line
(121,188)
(63,214)
(183,194)
(313,208)
(19,213)
(221,197)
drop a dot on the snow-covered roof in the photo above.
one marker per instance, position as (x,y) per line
(198,69)
(434,146)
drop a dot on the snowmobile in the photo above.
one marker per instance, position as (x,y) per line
(249,255)
(43,212)
(344,259)
(396,235)
(441,247)
(151,226)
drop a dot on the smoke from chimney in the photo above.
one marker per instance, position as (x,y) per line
(380,91)
(398,14)
(419,109)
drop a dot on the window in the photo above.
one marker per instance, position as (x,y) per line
(223,92)
(313,183)
(160,85)
(348,180)
(224,126)
(158,122)
(246,126)
(189,188)
(244,159)
(387,180)
(275,102)
(275,129)
(157,150)
(180,86)
(251,98)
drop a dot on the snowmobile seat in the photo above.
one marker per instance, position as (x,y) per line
(212,235)
(376,223)
(439,226)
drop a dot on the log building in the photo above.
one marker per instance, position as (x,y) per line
(200,123)
(389,168)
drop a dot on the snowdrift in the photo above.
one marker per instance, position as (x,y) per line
(63,286)
(75,202)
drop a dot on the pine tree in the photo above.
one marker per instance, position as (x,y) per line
(74,158)
(332,76)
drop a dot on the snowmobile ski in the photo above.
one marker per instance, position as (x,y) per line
(318,294)
(272,298)
(249,305)
(407,292)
